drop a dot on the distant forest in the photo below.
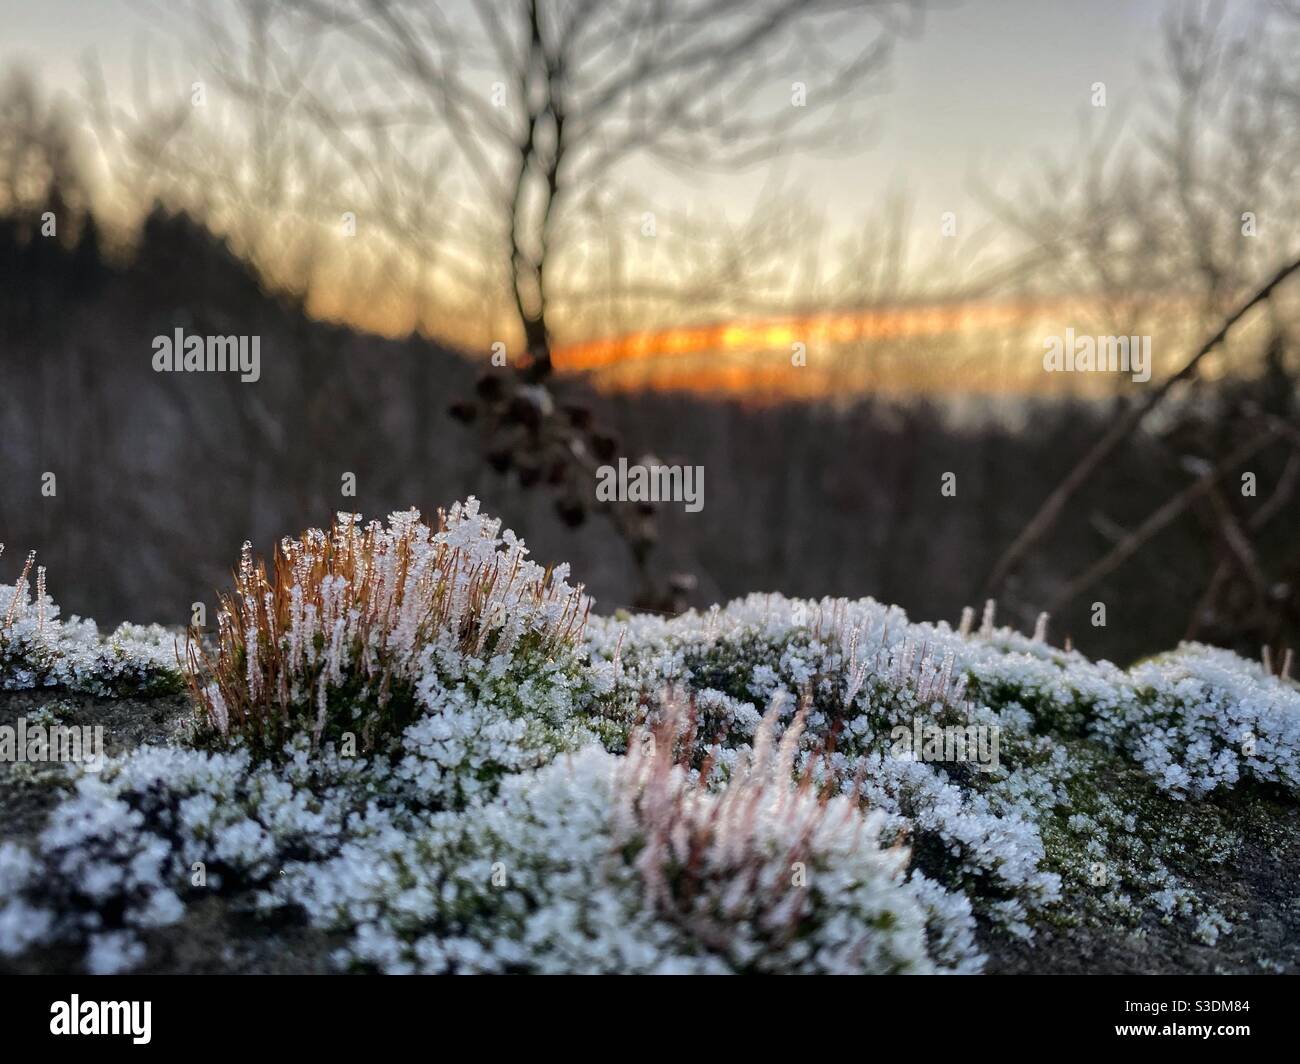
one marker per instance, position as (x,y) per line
(160,477)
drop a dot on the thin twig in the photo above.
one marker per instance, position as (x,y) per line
(1160,519)
(1045,519)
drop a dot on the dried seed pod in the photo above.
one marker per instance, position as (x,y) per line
(571,510)
(529,472)
(524,412)
(604,446)
(490,386)
(463,410)
(579,416)
(557,472)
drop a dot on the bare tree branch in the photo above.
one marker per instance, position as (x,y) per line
(1159,520)
(1045,519)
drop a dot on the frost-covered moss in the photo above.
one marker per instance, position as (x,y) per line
(334,639)
(1203,719)
(722,791)
(1121,842)
(587,864)
(1030,838)
(38,649)
(600,863)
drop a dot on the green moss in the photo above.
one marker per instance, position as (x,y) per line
(1117,842)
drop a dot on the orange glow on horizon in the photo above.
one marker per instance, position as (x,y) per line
(941,373)
(879,323)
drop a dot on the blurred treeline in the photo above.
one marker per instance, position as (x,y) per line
(161,477)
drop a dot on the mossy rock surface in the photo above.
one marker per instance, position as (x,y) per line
(213,937)
(1253,878)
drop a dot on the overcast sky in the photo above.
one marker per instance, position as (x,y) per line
(991,85)
(988,88)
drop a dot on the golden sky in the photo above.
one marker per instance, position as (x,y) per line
(990,89)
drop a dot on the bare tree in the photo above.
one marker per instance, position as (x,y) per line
(39,155)
(549,105)
(1189,225)
(529,125)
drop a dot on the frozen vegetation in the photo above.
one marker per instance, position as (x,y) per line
(417,741)
(37,649)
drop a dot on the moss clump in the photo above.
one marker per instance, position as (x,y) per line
(333,641)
